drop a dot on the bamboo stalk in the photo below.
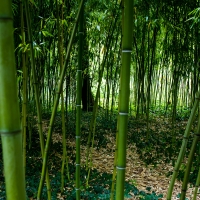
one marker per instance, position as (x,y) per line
(190,159)
(112,193)
(124,92)
(36,92)
(24,107)
(45,157)
(78,102)
(60,47)
(10,125)
(197,185)
(183,147)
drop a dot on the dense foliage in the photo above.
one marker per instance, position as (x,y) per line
(164,79)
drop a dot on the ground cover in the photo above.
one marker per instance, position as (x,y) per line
(150,159)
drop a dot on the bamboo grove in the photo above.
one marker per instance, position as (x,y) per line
(129,56)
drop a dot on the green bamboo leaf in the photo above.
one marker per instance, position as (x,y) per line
(14,8)
(191,18)
(33,2)
(195,11)
(20,71)
(25,48)
(64,22)
(46,34)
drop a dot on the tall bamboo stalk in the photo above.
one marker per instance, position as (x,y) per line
(24,107)
(10,125)
(197,184)
(124,92)
(150,73)
(183,147)
(36,92)
(60,47)
(190,159)
(112,193)
(59,89)
(78,101)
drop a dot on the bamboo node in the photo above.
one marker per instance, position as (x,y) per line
(6,18)
(123,113)
(78,164)
(78,137)
(126,51)
(10,132)
(81,33)
(121,168)
(77,188)
(79,70)
(78,105)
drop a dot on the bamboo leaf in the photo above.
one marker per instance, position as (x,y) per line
(64,22)
(98,27)
(46,34)
(33,2)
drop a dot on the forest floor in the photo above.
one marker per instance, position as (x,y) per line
(150,158)
(150,177)
(144,177)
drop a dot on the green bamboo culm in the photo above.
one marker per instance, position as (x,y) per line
(190,159)
(78,101)
(59,89)
(124,92)
(39,116)
(112,193)
(60,47)
(24,105)
(183,146)
(197,185)
(10,125)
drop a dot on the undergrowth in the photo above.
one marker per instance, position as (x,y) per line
(154,145)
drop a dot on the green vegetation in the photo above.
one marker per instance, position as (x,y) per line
(108,93)
(99,184)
